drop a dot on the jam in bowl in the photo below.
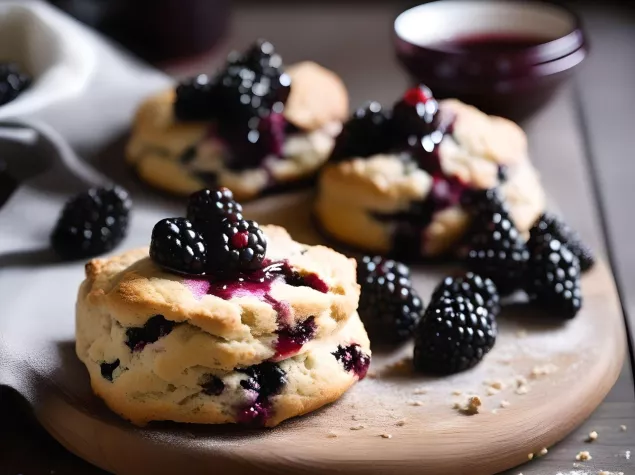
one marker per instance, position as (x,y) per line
(507,58)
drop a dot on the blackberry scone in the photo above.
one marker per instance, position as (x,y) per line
(399,181)
(253,127)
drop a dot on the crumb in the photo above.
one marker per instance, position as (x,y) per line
(543,451)
(354,417)
(414,403)
(498,385)
(543,370)
(603,472)
(521,381)
(471,406)
(583,456)
(504,404)
(457,392)
(332,434)
(358,427)
(524,389)
(592,436)
(530,456)
(623,428)
(521,333)
(372,375)
(420,391)
(627,454)
(386,436)
(401,422)
(491,391)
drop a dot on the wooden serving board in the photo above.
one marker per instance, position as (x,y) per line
(552,377)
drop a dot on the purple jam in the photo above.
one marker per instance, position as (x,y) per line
(255,414)
(496,43)
(292,338)
(353,359)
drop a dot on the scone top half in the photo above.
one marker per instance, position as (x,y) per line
(250,128)
(305,293)
(406,196)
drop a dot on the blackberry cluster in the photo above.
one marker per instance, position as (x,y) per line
(482,292)
(496,248)
(13,82)
(239,246)
(213,238)
(177,246)
(550,225)
(92,223)
(554,278)
(367,132)
(389,306)
(246,99)
(453,335)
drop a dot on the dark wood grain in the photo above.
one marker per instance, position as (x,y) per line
(357,47)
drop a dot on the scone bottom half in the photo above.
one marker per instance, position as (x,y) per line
(400,181)
(255,127)
(224,321)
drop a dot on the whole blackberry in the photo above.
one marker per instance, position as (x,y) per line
(92,223)
(177,246)
(496,249)
(213,206)
(554,278)
(453,336)
(262,58)
(389,306)
(379,265)
(415,113)
(550,224)
(238,246)
(195,99)
(13,81)
(479,291)
(366,133)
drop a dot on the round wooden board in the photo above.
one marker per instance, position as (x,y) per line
(568,369)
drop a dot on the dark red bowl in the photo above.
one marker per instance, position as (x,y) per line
(506,58)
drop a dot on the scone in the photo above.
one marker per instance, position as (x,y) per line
(252,127)
(398,183)
(160,345)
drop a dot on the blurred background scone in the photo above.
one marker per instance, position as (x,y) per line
(399,181)
(252,127)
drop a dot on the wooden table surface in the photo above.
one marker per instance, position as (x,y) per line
(580,142)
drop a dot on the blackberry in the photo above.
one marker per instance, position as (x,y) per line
(479,291)
(554,281)
(178,247)
(92,223)
(238,246)
(13,82)
(379,265)
(213,206)
(453,335)
(353,359)
(156,327)
(390,309)
(262,58)
(366,133)
(195,99)
(496,249)
(550,224)
(267,379)
(416,113)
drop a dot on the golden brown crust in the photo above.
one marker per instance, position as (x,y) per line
(352,192)
(318,97)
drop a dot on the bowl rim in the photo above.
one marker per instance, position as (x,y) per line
(548,51)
